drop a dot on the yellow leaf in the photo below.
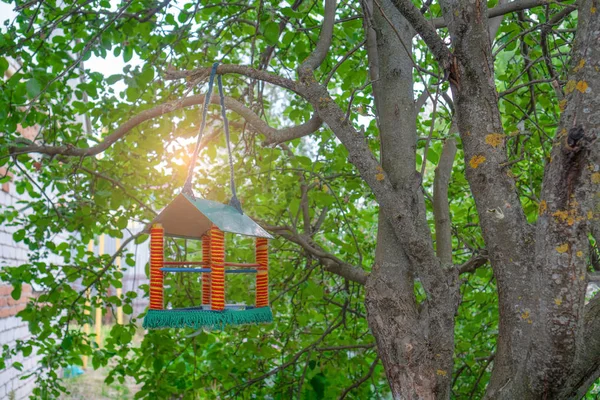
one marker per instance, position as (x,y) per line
(579,66)
(441,372)
(561,215)
(557,301)
(380,176)
(570,86)
(563,248)
(543,207)
(562,105)
(582,86)
(476,161)
(494,139)
(596,177)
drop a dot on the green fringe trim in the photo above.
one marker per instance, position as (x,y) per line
(207,319)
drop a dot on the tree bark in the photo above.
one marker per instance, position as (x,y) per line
(416,358)
(505,230)
(564,353)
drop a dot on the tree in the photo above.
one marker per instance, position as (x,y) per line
(380,93)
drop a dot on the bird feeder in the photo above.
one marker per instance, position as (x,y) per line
(192,218)
(205,220)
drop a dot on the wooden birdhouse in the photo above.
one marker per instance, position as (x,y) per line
(205,220)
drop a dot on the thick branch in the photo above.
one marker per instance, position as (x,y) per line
(316,58)
(502,219)
(329,261)
(371,42)
(569,189)
(203,73)
(426,30)
(276,136)
(398,210)
(273,135)
(473,263)
(441,208)
(495,22)
(502,10)
(587,369)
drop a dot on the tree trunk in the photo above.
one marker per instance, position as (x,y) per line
(406,344)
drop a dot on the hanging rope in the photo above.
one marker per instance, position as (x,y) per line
(187,187)
(234,202)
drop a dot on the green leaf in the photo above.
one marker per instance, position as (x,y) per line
(3,65)
(271,33)
(432,156)
(318,383)
(141,239)
(16,292)
(157,364)
(127,309)
(127,53)
(67,342)
(27,351)
(111,80)
(19,235)
(33,87)
(122,223)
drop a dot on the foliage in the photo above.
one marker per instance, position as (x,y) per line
(319,343)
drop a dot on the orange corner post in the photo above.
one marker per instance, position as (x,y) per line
(217,269)
(206,258)
(262,275)
(156,263)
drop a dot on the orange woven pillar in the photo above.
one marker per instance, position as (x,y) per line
(206,275)
(217,272)
(262,275)
(156,263)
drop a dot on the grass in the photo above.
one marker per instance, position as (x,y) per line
(90,386)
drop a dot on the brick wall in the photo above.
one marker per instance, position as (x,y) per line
(11,327)
(11,253)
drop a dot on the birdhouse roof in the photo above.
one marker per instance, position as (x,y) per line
(191,218)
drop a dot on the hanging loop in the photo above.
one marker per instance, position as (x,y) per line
(187,187)
(234,202)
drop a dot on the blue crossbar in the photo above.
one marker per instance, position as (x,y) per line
(185,269)
(240,271)
(229,271)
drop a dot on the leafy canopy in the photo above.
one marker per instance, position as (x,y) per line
(53,55)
